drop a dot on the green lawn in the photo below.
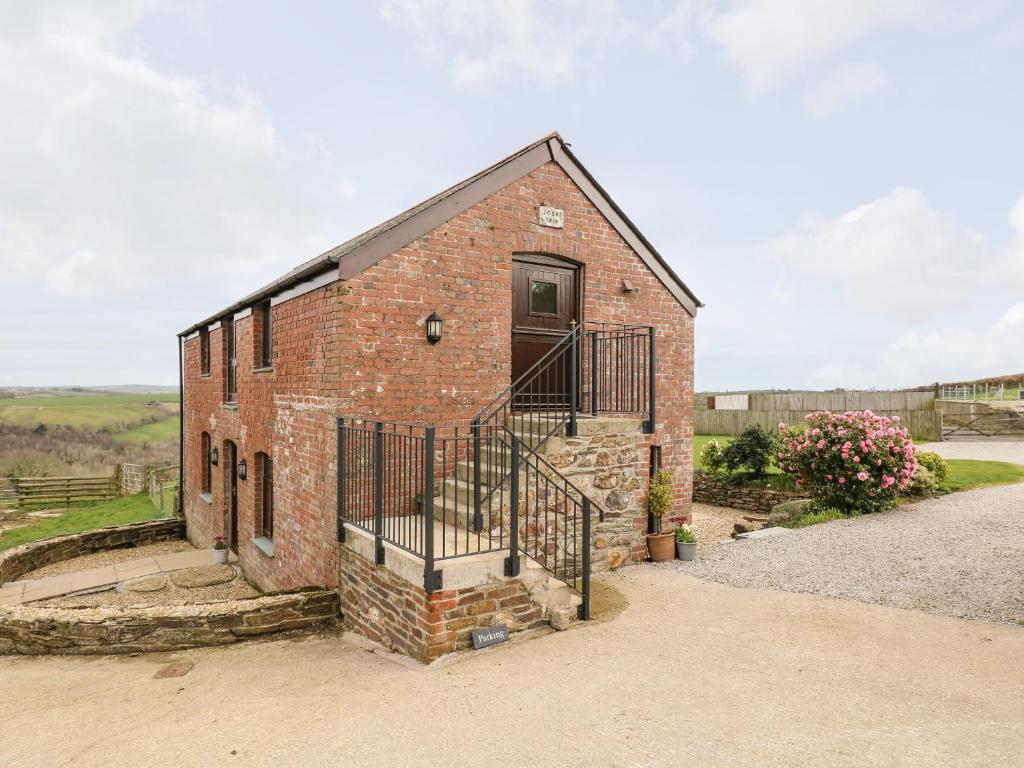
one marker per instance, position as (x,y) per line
(969,473)
(84,517)
(114,413)
(156,432)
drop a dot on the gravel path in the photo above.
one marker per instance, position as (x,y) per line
(959,555)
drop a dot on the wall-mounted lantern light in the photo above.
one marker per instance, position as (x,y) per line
(434,323)
(214,456)
(243,469)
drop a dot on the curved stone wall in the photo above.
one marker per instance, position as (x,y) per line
(20,560)
(38,630)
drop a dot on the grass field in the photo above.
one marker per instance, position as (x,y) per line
(84,517)
(968,473)
(158,431)
(109,413)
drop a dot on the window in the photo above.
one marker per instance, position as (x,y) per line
(264,352)
(266,469)
(543,298)
(207,483)
(204,352)
(230,360)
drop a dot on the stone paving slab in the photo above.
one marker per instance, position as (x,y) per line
(27,590)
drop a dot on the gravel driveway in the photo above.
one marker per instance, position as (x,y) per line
(959,555)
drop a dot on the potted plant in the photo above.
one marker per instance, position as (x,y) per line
(660,546)
(418,501)
(220,549)
(686,543)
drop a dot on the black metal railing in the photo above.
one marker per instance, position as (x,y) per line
(443,492)
(551,521)
(411,486)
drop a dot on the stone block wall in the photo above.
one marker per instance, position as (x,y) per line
(612,467)
(719,490)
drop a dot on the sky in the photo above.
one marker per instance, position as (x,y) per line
(841,183)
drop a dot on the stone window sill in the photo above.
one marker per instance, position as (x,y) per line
(264,369)
(205,375)
(207,497)
(264,545)
(230,406)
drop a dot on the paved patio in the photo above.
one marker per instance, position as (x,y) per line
(28,590)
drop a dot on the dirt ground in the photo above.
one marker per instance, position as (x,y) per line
(686,673)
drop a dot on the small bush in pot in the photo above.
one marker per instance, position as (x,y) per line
(220,549)
(686,543)
(660,496)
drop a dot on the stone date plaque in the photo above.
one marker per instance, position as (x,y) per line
(551,217)
(489,636)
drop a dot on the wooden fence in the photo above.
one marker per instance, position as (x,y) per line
(880,402)
(64,490)
(923,425)
(162,487)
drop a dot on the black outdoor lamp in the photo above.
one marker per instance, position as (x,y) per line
(214,456)
(243,469)
(434,323)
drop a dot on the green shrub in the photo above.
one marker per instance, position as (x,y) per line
(753,450)
(923,483)
(711,456)
(934,464)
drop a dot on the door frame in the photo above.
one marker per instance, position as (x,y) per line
(231,494)
(541,259)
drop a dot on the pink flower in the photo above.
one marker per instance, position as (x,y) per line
(782,425)
(862,476)
(842,480)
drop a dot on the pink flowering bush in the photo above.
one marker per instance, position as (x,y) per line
(854,461)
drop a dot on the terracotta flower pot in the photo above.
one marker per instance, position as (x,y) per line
(661,547)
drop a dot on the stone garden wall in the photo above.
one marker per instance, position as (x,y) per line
(720,491)
(74,631)
(36,630)
(20,560)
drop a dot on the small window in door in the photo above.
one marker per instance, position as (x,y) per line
(543,298)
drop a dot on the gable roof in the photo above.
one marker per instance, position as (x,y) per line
(362,251)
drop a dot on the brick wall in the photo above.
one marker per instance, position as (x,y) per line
(400,615)
(359,348)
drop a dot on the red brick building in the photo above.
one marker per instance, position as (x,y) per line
(536,277)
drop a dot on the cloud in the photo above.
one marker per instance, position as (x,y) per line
(952,354)
(488,40)
(770,40)
(124,178)
(843,87)
(894,256)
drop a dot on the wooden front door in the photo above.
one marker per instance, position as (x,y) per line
(545,304)
(231,457)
